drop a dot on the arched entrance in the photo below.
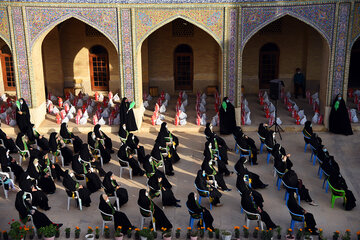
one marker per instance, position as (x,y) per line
(7,76)
(99,68)
(180,56)
(354,72)
(268,64)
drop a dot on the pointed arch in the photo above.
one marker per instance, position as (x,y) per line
(169,20)
(6,41)
(276,17)
(353,41)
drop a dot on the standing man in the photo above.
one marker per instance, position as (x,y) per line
(299,82)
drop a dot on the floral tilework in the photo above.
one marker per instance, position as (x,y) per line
(356,23)
(147,1)
(340,49)
(319,16)
(148,19)
(41,18)
(21,54)
(232,55)
(4,25)
(127,53)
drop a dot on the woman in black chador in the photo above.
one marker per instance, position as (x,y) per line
(127,115)
(157,157)
(194,206)
(339,121)
(126,154)
(308,131)
(209,166)
(282,161)
(263,130)
(72,185)
(94,143)
(168,142)
(294,207)
(246,142)
(132,141)
(242,170)
(120,219)
(8,142)
(23,117)
(161,221)
(56,144)
(212,151)
(157,186)
(111,186)
(7,161)
(227,117)
(66,134)
(103,139)
(42,175)
(202,183)
(338,182)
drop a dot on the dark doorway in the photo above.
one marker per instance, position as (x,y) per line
(99,68)
(183,67)
(268,64)
(354,73)
(7,69)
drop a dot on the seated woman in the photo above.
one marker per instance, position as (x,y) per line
(270,140)
(120,219)
(157,186)
(82,164)
(103,138)
(316,143)
(250,205)
(338,182)
(243,188)
(123,133)
(246,142)
(282,161)
(67,135)
(254,178)
(126,154)
(42,176)
(55,169)
(96,144)
(72,185)
(132,141)
(196,209)
(307,131)
(202,183)
(263,130)
(150,166)
(6,162)
(39,198)
(111,186)
(41,141)
(291,179)
(220,142)
(168,143)
(144,202)
(21,142)
(158,157)
(8,142)
(209,166)
(56,145)
(329,165)
(211,151)
(25,207)
(294,207)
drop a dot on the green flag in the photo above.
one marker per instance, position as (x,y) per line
(224,105)
(18,105)
(337,103)
(132,104)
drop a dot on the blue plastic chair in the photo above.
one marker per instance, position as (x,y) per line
(242,210)
(305,142)
(287,192)
(262,142)
(313,156)
(245,153)
(203,193)
(326,176)
(192,218)
(320,169)
(279,176)
(269,154)
(296,219)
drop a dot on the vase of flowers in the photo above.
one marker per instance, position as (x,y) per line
(217,233)
(129,233)
(107,232)
(299,234)
(347,235)
(48,232)
(146,234)
(77,232)
(194,234)
(210,233)
(177,232)
(237,232)
(278,232)
(245,231)
(226,235)
(256,232)
(97,232)
(289,235)
(118,233)
(188,233)
(358,235)
(67,232)
(90,235)
(17,230)
(336,235)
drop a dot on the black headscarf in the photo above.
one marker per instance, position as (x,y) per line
(192,204)
(239,166)
(162,134)
(339,121)
(104,206)
(97,131)
(155,153)
(19,141)
(122,131)
(68,182)
(90,140)
(53,142)
(124,105)
(85,153)
(143,200)
(227,117)
(308,127)
(263,131)
(200,181)
(64,131)
(107,182)
(208,132)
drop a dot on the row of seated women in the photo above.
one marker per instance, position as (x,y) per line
(328,164)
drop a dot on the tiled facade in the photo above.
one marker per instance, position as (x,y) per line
(128,23)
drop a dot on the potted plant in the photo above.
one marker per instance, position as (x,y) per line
(307,234)
(358,235)
(145,234)
(256,233)
(245,231)
(137,235)
(90,235)
(217,233)
(321,234)
(226,235)
(31,233)
(194,234)
(128,233)
(48,232)
(154,233)
(237,232)
(17,231)
(336,235)
(5,235)
(77,232)
(67,232)
(177,232)
(299,234)
(97,232)
(289,235)
(202,232)
(107,232)
(166,234)
(347,235)
(118,233)
(278,232)
(57,234)
(188,233)
(210,233)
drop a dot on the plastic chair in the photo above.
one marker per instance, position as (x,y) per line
(146,214)
(326,176)
(30,218)
(253,217)
(68,140)
(262,142)
(242,210)
(22,154)
(194,216)
(105,217)
(125,165)
(313,156)
(73,195)
(279,178)
(296,219)
(97,154)
(269,153)
(2,182)
(335,194)
(306,142)
(59,155)
(203,194)
(2,142)
(159,163)
(114,197)
(287,192)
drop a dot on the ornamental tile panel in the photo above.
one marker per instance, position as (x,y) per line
(356,23)
(127,54)
(40,19)
(211,20)
(232,55)
(148,1)
(4,26)
(319,16)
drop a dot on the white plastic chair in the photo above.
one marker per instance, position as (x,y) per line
(53,159)
(104,222)
(146,214)
(22,154)
(2,174)
(253,217)
(125,165)
(75,196)
(114,197)
(96,152)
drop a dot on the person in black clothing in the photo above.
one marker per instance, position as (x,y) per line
(227,117)
(196,209)
(168,143)
(246,142)
(270,140)
(23,117)
(123,133)
(42,176)
(8,142)
(157,156)
(103,138)
(263,130)
(221,145)
(7,162)
(294,207)
(299,82)
(96,144)
(56,144)
(66,134)
(282,160)
(126,154)
(249,204)
(127,115)
(132,141)
(211,151)
(338,182)
(209,166)
(254,178)
(244,188)
(339,121)
(111,186)
(120,219)
(157,186)
(72,185)
(161,221)
(202,183)
(307,131)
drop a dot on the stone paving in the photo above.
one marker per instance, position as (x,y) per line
(226,217)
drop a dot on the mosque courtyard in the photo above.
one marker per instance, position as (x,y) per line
(227,216)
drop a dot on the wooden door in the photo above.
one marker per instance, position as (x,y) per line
(268,64)
(99,72)
(183,71)
(8,71)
